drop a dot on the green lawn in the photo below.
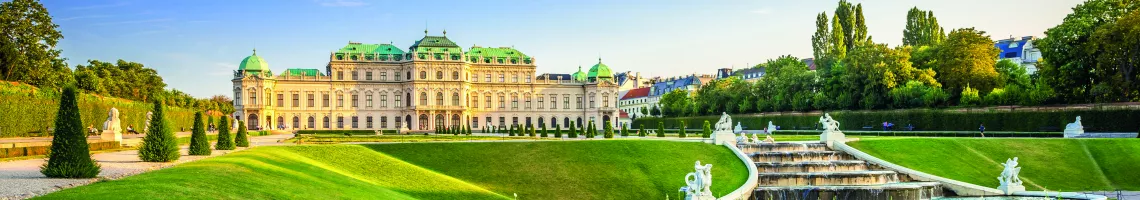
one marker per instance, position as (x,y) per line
(626,169)
(331,139)
(1053,164)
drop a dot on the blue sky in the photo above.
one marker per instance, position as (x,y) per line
(195,44)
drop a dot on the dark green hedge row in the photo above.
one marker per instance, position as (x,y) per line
(43,150)
(342,132)
(27,112)
(1094,120)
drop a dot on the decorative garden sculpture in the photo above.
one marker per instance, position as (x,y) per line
(1074,129)
(831,133)
(146,127)
(723,133)
(737,129)
(698,183)
(771,128)
(112,128)
(1010,182)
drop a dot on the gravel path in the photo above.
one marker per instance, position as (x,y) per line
(22,179)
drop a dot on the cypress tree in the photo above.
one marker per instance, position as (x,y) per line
(624,131)
(590,130)
(160,144)
(641,131)
(573,131)
(681,133)
(544,134)
(708,131)
(511,130)
(558,131)
(531,130)
(69,156)
(199,144)
(660,129)
(242,138)
(609,131)
(225,140)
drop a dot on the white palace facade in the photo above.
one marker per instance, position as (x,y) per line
(435,83)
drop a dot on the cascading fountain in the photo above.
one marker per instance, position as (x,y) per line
(790,171)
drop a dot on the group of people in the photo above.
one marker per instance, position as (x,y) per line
(887,126)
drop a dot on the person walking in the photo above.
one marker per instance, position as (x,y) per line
(982,129)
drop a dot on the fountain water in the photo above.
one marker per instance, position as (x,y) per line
(791,171)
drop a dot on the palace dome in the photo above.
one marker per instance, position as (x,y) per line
(253,63)
(600,71)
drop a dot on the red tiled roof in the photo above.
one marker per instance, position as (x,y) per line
(636,93)
(622,114)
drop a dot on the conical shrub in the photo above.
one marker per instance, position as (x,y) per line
(707,131)
(573,131)
(660,129)
(557,131)
(160,144)
(199,144)
(609,131)
(242,138)
(225,139)
(69,156)
(544,134)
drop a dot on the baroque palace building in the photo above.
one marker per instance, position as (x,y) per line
(435,83)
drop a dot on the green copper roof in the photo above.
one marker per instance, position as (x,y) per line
(600,71)
(579,76)
(510,55)
(253,63)
(358,48)
(434,41)
(302,72)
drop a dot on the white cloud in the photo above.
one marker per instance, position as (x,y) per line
(222,69)
(341,3)
(762,11)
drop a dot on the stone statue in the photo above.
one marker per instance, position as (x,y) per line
(771,128)
(1074,129)
(755,138)
(1010,182)
(112,129)
(831,131)
(769,139)
(737,129)
(146,127)
(699,182)
(723,133)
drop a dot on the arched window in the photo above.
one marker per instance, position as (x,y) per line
(439,75)
(579,122)
(455,75)
(553,122)
(423,98)
(455,121)
(439,98)
(423,122)
(455,99)
(326,124)
(423,75)
(566,122)
(440,121)
(312,123)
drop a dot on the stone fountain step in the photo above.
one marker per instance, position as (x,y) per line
(814,166)
(786,146)
(827,178)
(892,191)
(800,156)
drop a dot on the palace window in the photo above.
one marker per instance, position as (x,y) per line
(398,99)
(423,75)
(502,78)
(474,122)
(339,122)
(384,76)
(383,121)
(280,100)
(423,98)
(455,75)
(475,101)
(355,100)
(339,75)
(515,77)
(579,103)
(354,122)
(252,98)
(368,76)
(554,102)
(487,99)
(368,101)
(514,102)
(439,75)
(502,121)
(455,99)
(384,100)
(268,99)
(296,100)
(396,74)
(355,75)
(528,102)
(439,98)
(326,125)
(409,76)
(325,100)
(368,122)
(312,123)
(592,101)
(528,78)
(541,101)
(311,101)
(399,122)
(339,100)
(566,102)
(502,101)
(605,100)
(488,77)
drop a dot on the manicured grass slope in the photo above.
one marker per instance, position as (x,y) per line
(1053,164)
(534,170)
(297,172)
(578,169)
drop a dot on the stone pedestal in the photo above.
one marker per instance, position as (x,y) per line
(1010,189)
(1072,132)
(111,136)
(830,137)
(720,138)
(700,197)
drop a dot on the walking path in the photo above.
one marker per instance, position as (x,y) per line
(22,179)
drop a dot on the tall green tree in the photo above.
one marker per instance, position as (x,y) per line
(608,130)
(860,25)
(845,18)
(1118,59)
(1071,54)
(544,133)
(558,131)
(199,144)
(69,156)
(242,137)
(573,130)
(967,57)
(819,41)
(225,140)
(838,40)
(160,144)
(922,29)
(660,129)
(28,39)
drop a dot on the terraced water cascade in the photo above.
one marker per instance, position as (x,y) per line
(793,171)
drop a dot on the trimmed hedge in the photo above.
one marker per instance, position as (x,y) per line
(350,132)
(1094,120)
(43,150)
(36,110)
